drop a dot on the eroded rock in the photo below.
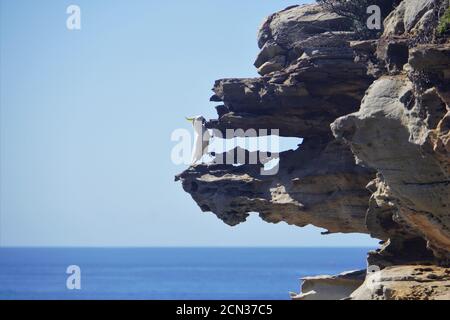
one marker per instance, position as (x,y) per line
(408,15)
(389,134)
(317,184)
(330,287)
(417,282)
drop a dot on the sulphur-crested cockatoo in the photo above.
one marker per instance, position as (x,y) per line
(201,138)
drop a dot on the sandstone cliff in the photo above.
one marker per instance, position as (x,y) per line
(375,118)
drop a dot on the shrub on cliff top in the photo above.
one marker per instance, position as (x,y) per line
(444,23)
(356,10)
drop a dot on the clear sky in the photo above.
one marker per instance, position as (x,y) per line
(86,119)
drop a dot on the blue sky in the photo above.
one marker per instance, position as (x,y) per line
(86,119)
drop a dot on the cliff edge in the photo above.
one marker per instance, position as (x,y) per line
(374,115)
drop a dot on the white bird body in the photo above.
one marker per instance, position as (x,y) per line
(201,138)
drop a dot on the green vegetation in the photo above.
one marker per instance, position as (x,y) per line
(444,23)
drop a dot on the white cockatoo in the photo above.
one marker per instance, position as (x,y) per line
(201,138)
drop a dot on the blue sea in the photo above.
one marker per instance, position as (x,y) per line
(169,273)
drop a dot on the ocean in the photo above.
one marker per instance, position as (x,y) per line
(169,273)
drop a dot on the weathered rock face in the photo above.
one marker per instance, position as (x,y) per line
(409,15)
(317,184)
(409,282)
(330,287)
(375,119)
(388,134)
(402,131)
(317,82)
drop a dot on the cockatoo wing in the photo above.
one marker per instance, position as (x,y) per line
(206,140)
(201,141)
(202,138)
(197,151)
